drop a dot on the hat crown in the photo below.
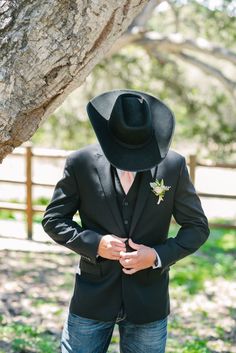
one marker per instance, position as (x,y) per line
(130,121)
(136,135)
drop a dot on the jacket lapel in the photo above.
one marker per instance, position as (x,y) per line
(143,193)
(104,173)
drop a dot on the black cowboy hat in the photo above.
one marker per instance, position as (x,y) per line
(134,128)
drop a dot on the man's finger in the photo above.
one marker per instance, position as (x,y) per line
(134,245)
(128,262)
(117,250)
(117,243)
(129,255)
(115,257)
(128,266)
(129,271)
(120,244)
(116,254)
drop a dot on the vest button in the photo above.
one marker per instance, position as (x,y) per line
(126,221)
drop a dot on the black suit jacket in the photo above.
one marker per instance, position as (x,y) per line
(100,285)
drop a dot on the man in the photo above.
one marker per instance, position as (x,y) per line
(126,190)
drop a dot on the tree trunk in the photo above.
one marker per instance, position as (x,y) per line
(48,48)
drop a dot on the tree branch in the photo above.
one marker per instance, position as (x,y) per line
(47,49)
(176,43)
(154,42)
(141,20)
(210,70)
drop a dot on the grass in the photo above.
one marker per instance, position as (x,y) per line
(5,214)
(216,258)
(37,288)
(37,217)
(196,346)
(25,338)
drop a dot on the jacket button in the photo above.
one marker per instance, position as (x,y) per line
(126,222)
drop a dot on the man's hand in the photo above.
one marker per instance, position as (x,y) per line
(111,246)
(142,258)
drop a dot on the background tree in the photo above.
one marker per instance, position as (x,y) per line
(181,51)
(48,47)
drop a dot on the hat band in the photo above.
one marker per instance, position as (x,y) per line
(136,146)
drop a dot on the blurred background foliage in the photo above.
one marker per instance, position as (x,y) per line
(195,81)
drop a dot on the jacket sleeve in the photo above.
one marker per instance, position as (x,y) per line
(189,214)
(58,220)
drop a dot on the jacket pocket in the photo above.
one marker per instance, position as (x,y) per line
(85,266)
(159,272)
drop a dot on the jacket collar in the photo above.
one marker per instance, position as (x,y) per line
(104,172)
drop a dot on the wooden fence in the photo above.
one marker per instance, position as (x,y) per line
(30,209)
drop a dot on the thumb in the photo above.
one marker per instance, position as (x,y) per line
(134,245)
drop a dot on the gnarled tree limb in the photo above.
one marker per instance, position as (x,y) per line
(48,47)
(176,43)
(212,71)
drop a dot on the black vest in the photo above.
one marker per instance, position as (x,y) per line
(126,202)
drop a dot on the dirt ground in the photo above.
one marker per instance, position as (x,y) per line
(35,290)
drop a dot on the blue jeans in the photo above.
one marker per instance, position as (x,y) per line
(82,335)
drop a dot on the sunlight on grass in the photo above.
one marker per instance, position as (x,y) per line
(198,346)
(221,239)
(215,258)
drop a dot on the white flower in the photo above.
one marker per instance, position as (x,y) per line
(159,189)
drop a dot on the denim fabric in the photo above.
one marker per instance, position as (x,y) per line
(145,338)
(82,335)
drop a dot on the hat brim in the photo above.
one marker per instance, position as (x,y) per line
(123,157)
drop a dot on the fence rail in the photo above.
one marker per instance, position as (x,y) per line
(29,153)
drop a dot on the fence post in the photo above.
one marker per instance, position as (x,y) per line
(192,167)
(29,205)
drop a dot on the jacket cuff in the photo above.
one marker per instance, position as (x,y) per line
(88,245)
(159,264)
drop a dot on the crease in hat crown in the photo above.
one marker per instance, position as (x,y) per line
(130,120)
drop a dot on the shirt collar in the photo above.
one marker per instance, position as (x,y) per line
(120,171)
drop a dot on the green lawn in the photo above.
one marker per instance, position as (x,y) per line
(35,290)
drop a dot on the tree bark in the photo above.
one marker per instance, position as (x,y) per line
(48,48)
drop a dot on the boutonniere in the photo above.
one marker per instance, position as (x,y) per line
(159,189)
